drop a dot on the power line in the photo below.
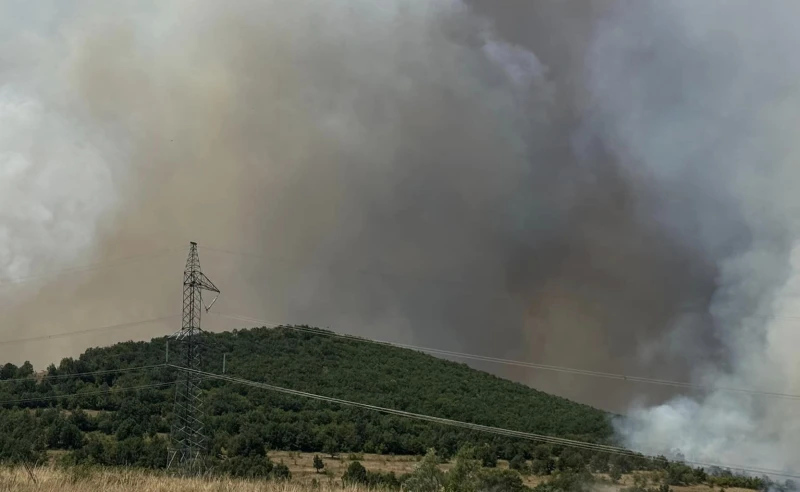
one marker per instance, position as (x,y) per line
(529,365)
(265,323)
(362,271)
(111,390)
(86,268)
(477,427)
(688,308)
(81,374)
(88,330)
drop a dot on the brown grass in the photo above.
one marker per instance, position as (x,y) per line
(57,480)
(53,479)
(302,466)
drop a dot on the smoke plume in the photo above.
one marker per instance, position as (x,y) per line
(604,185)
(703,102)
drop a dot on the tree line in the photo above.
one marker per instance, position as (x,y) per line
(100,423)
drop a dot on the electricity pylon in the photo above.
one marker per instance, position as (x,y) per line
(188,441)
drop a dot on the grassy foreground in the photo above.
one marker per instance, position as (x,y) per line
(79,479)
(50,479)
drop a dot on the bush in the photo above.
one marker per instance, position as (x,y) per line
(463,477)
(487,455)
(382,480)
(517,463)
(500,481)
(543,467)
(252,466)
(567,482)
(571,460)
(426,477)
(599,463)
(542,452)
(355,474)
(281,472)
(80,473)
(318,463)
(680,474)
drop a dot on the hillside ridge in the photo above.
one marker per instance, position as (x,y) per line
(314,362)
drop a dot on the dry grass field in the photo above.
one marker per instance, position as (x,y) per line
(57,480)
(302,466)
(53,479)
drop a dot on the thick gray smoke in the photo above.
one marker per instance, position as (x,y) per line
(703,101)
(604,185)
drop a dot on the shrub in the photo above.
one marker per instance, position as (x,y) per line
(517,462)
(487,455)
(355,474)
(500,481)
(281,472)
(426,477)
(318,463)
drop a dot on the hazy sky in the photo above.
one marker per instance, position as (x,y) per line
(606,185)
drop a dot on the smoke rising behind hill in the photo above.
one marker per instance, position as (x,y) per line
(605,185)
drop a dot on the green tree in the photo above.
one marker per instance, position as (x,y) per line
(8,371)
(599,463)
(542,452)
(318,463)
(382,480)
(281,472)
(568,481)
(500,481)
(128,428)
(463,477)
(517,463)
(487,454)
(70,437)
(251,466)
(330,448)
(543,467)
(249,443)
(571,460)
(426,477)
(25,370)
(355,474)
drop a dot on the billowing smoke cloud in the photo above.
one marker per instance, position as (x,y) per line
(333,140)
(604,185)
(405,171)
(703,102)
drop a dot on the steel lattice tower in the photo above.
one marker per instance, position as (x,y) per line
(188,441)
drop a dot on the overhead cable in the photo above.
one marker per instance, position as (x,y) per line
(112,390)
(460,284)
(81,374)
(86,268)
(529,365)
(481,428)
(88,330)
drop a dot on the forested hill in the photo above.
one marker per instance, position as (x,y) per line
(310,361)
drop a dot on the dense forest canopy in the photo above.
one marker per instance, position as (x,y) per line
(120,414)
(103,414)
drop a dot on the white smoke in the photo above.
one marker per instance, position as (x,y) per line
(702,99)
(334,135)
(55,186)
(58,175)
